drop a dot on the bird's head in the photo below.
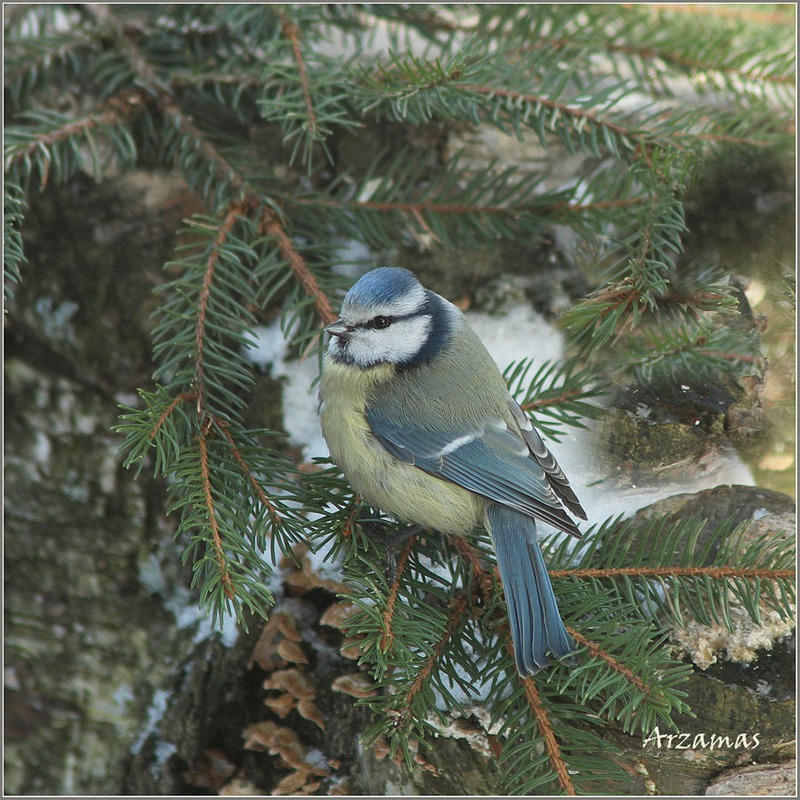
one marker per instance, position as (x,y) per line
(389,317)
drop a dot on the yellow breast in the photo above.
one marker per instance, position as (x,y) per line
(399,489)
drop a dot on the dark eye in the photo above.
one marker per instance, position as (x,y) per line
(380,322)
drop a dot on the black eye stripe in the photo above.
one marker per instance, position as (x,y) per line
(380,322)
(383,321)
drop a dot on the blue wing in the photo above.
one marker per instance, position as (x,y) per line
(491,460)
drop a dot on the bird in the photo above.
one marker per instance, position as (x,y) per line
(418,417)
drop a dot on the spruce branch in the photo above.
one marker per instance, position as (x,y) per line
(292,33)
(464,88)
(676,350)
(272,227)
(231,218)
(208,495)
(251,199)
(546,732)
(54,143)
(14,207)
(556,394)
(392,599)
(275,518)
(594,650)
(746,14)
(704,571)
(677,572)
(31,63)
(408,700)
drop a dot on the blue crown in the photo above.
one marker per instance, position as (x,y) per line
(381,285)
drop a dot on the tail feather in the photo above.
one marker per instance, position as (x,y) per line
(536,626)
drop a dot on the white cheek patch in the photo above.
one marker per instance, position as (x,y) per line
(397,344)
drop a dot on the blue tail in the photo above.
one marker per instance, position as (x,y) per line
(536,625)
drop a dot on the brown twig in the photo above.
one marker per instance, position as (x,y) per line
(116,110)
(470,555)
(262,495)
(726,356)
(693,63)
(350,519)
(551,745)
(183,397)
(677,572)
(444,209)
(550,401)
(458,608)
(225,578)
(616,665)
(563,108)
(272,227)
(292,33)
(250,198)
(388,637)
(235,211)
(719,11)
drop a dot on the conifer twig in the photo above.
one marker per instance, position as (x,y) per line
(416,208)
(231,217)
(701,9)
(183,397)
(224,574)
(563,108)
(388,614)
(273,228)
(747,573)
(614,663)
(551,745)
(458,607)
(292,33)
(246,468)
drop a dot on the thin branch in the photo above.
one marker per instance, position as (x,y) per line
(179,80)
(762,17)
(183,397)
(251,199)
(388,637)
(726,356)
(122,108)
(617,666)
(681,60)
(225,578)
(458,608)
(677,572)
(670,57)
(568,111)
(163,94)
(350,520)
(555,209)
(272,227)
(292,33)
(232,216)
(109,116)
(470,555)
(551,401)
(262,495)
(551,745)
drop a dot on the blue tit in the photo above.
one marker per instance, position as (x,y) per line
(418,417)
